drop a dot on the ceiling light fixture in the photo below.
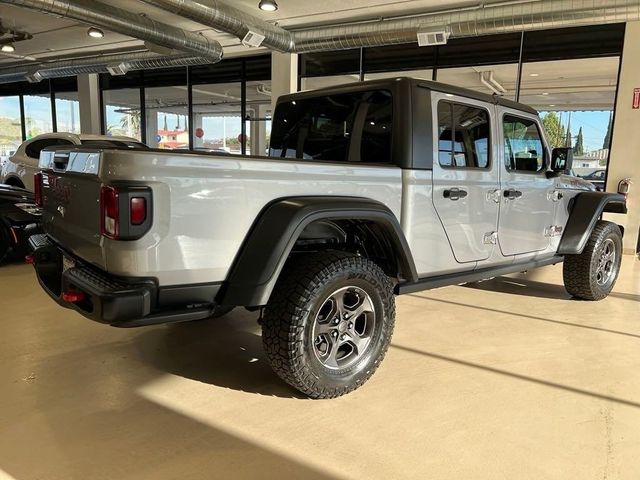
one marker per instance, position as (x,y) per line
(534,74)
(95,32)
(545,93)
(8,48)
(268,5)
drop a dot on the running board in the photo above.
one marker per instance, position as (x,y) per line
(474,276)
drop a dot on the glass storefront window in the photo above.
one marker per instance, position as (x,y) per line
(37,114)
(576,100)
(258,125)
(167,117)
(217,117)
(67,112)
(10,127)
(424,74)
(122,112)
(490,79)
(314,83)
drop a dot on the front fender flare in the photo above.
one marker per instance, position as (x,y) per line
(585,212)
(273,235)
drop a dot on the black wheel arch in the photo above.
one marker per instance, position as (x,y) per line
(281,224)
(14,181)
(585,211)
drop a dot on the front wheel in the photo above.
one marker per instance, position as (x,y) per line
(592,274)
(329,323)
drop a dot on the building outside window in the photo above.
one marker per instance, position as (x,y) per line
(37,114)
(10,127)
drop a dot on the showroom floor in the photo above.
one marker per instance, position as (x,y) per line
(506,379)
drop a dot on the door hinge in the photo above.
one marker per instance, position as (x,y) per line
(553,231)
(490,238)
(554,195)
(494,195)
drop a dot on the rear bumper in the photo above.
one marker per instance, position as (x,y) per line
(118,301)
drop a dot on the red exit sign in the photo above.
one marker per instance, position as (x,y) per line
(636,98)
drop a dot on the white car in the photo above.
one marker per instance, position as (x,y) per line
(18,171)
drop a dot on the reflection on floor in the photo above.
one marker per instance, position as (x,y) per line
(508,378)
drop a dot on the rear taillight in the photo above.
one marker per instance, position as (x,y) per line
(110,212)
(37,188)
(138,210)
(125,211)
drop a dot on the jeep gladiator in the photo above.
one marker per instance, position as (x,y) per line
(370,190)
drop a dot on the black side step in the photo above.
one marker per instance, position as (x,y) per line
(466,277)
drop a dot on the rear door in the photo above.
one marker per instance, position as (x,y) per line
(465,181)
(527,206)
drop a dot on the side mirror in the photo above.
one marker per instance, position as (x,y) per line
(562,159)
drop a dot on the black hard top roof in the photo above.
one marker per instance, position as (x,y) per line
(397,82)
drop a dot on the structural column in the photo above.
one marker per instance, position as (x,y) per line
(284,75)
(258,132)
(89,100)
(625,142)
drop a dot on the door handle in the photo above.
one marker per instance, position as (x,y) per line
(454,193)
(512,194)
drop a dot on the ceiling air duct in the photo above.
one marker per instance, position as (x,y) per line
(482,19)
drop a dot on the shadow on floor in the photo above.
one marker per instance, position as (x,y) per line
(220,351)
(532,288)
(518,376)
(523,315)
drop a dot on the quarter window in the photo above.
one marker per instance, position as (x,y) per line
(463,136)
(351,127)
(523,148)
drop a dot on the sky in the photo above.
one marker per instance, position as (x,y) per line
(594,126)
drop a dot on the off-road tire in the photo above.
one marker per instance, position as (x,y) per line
(304,286)
(580,272)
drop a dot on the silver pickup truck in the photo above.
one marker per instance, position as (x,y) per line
(371,190)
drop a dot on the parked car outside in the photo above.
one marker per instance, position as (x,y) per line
(19,169)
(597,179)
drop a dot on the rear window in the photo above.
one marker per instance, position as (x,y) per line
(350,127)
(112,143)
(34,148)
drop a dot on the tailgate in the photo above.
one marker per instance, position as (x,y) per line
(71,201)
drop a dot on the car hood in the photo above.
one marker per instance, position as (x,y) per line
(15,195)
(574,183)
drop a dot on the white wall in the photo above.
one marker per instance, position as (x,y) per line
(625,144)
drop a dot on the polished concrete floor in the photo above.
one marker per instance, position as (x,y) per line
(508,378)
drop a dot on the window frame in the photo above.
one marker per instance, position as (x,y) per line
(543,141)
(452,103)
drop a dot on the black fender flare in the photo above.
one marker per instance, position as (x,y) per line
(586,209)
(275,231)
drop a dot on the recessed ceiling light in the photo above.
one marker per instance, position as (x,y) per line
(552,105)
(545,93)
(95,32)
(268,5)
(534,74)
(8,48)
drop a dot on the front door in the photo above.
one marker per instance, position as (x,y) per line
(465,180)
(527,208)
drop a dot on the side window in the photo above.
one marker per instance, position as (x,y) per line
(463,136)
(34,148)
(523,147)
(350,127)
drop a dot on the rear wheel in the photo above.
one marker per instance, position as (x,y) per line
(329,323)
(592,274)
